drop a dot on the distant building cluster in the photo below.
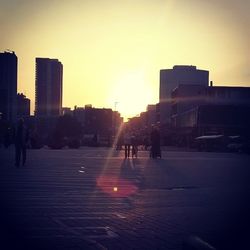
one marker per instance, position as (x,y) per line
(48,86)
(102,121)
(189,106)
(48,102)
(23,106)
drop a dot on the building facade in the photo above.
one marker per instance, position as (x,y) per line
(171,79)
(67,111)
(200,110)
(8,85)
(185,98)
(23,106)
(49,84)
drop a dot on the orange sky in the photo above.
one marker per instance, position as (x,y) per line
(112,51)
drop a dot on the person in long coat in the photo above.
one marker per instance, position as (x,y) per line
(127,143)
(21,138)
(155,143)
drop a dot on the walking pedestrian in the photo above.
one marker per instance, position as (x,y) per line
(21,138)
(145,142)
(127,143)
(155,144)
(134,146)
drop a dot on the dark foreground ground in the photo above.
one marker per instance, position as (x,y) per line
(91,198)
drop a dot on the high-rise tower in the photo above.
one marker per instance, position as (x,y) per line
(49,78)
(171,79)
(8,85)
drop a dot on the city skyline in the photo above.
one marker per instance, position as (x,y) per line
(113,52)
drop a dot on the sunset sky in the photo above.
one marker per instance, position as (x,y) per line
(112,51)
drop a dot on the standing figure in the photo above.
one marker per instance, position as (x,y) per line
(127,144)
(155,144)
(95,140)
(21,138)
(145,142)
(134,146)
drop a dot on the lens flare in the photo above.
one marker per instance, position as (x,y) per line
(111,184)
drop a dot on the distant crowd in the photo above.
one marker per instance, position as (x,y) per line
(130,141)
(127,140)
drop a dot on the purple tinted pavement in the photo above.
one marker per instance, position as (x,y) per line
(91,198)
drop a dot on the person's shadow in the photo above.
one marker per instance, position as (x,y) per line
(129,180)
(131,172)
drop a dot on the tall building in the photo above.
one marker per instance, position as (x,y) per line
(187,97)
(171,79)
(67,111)
(8,85)
(49,77)
(215,110)
(23,106)
(151,115)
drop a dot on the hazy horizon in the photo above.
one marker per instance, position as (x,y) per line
(113,51)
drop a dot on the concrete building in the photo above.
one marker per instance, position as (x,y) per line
(185,97)
(49,83)
(67,111)
(23,106)
(228,95)
(151,115)
(79,114)
(100,121)
(117,121)
(8,85)
(142,124)
(172,78)
(219,109)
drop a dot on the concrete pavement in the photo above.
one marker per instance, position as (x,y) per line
(91,198)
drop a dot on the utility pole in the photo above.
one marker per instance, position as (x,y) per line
(116,103)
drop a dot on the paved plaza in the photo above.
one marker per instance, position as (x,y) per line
(92,198)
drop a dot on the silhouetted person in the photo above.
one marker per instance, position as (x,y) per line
(134,146)
(127,144)
(21,139)
(95,140)
(145,142)
(155,144)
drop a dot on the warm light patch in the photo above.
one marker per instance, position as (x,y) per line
(112,51)
(109,185)
(132,92)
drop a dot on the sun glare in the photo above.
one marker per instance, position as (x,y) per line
(132,93)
